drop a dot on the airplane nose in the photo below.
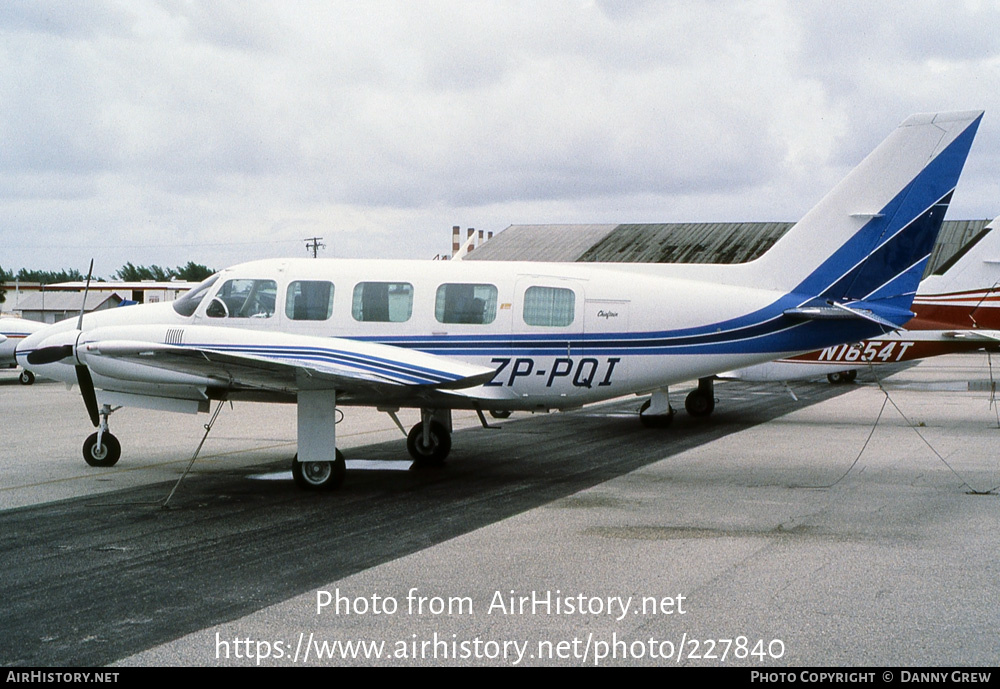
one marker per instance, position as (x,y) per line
(27,345)
(48,352)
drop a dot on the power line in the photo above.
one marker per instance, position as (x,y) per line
(313,243)
(145,246)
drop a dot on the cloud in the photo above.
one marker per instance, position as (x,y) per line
(217,125)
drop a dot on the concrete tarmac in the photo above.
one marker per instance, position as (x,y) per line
(762,539)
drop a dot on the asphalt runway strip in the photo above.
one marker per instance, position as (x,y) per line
(91,580)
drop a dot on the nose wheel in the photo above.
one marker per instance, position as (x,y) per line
(102,450)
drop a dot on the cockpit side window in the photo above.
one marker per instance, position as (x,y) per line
(244,298)
(188,303)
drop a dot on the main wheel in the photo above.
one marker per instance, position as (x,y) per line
(107,455)
(26,378)
(319,475)
(654,420)
(837,378)
(432,453)
(850,376)
(699,404)
(500,413)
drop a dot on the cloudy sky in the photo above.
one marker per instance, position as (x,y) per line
(163,131)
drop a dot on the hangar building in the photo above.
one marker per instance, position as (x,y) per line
(734,242)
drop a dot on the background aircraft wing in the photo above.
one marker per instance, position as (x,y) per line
(985,336)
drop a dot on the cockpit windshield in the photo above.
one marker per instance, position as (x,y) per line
(188,304)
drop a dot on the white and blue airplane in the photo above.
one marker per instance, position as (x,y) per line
(514,336)
(12,331)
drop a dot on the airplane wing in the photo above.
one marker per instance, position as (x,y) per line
(984,336)
(237,359)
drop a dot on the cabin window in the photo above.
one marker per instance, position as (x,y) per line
(461,303)
(550,306)
(244,298)
(309,300)
(385,302)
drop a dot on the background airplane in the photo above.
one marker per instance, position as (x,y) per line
(12,331)
(957,309)
(532,336)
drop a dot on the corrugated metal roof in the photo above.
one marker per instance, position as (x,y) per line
(687,242)
(51,300)
(561,243)
(954,235)
(671,242)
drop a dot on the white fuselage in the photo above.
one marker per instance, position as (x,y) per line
(558,335)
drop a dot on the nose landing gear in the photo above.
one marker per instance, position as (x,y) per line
(101,449)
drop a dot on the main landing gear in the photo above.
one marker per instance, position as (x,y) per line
(700,402)
(319,475)
(656,412)
(429,442)
(842,377)
(26,378)
(102,449)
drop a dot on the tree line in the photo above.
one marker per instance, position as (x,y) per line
(191,272)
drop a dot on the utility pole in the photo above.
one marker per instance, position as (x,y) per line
(313,244)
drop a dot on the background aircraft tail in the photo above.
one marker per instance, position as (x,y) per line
(965,291)
(976,266)
(866,244)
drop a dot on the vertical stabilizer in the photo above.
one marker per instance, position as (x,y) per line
(870,238)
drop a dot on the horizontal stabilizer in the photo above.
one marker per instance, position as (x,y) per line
(832,310)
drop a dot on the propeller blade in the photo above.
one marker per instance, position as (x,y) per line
(86,291)
(87,390)
(50,355)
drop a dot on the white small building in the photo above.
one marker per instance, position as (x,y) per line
(51,306)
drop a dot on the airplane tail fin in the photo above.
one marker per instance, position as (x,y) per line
(866,244)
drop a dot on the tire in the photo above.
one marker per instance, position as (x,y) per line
(436,452)
(26,378)
(836,378)
(500,413)
(698,404)
(654,420)
(319,475)
(109,454)
(850,376)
